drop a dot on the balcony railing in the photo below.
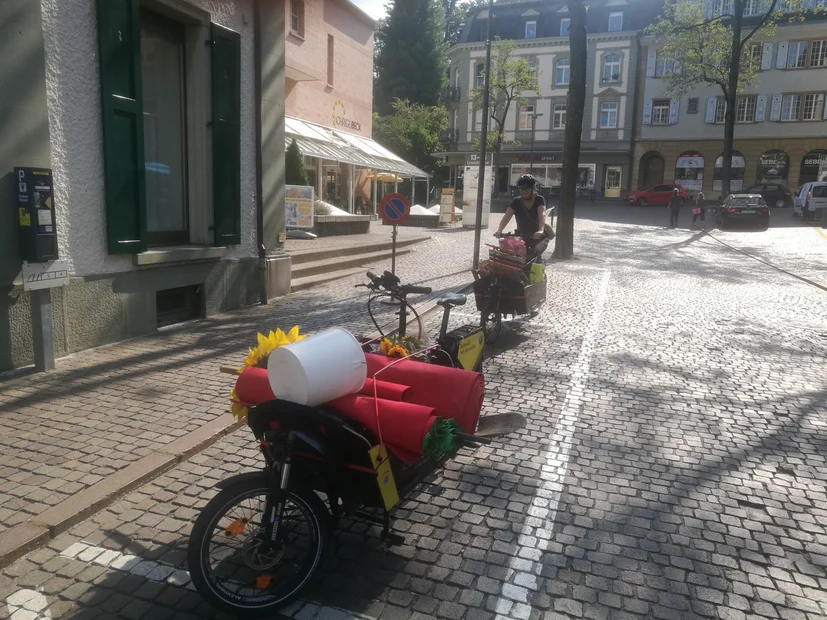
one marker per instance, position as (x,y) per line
(449,136)
(450,94)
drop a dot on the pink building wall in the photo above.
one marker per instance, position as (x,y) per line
(347,104)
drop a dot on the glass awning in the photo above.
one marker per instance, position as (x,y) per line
(317,141)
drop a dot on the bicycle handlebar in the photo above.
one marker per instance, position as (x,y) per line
(390,282)
(424,290)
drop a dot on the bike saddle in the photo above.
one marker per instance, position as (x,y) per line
(454,299)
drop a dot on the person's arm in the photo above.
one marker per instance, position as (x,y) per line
(541,222)
(509,213)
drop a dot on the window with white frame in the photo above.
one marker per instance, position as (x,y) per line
(813,109)
(660,111)
(720,110)
(565,25)
(756,52)
(531,29)
(559,116)
(692,105)
(616,21)
(608,115)
(479,80)
(818,53)
(297,17)
(532,67)
(478,120)
(660,65)
(745,109)
(562,72)
(611,68)
(797,55)
(722,7)
(526,114)
(791,108)
(752,7)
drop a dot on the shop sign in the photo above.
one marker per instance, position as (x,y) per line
(537,158)
(340,118)
(773,165)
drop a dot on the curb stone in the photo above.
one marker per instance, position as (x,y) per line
(20,539)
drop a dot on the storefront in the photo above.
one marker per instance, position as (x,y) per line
(773,167)
(736,176)
(813,167)
(689,171)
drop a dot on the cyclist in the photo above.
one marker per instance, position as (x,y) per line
(529,209)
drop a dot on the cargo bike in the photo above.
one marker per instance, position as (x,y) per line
(258,543)
(512,282)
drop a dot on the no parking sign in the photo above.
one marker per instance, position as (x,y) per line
(394,209)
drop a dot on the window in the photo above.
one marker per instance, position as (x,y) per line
(562,72)
(611,68)
(165,135)
(791,107)
(480,79)
(616,22)
(813,107)
(818,53)
(722,7)
(161,165)
(559,120)
(797,55)
(752,7)
(532,67)
(692,105)
(531,30)
(660,112)
(756,52)
(720,111)
(478,120)
(330,57)
(745,109)
(526,115)
(608,116)
(297,17)
(660,66)
(565,24)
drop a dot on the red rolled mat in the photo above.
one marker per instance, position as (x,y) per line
(452,392)
(385,389)
(253,387)
(404,425)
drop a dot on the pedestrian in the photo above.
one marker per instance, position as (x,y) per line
(699,209)
(675,204)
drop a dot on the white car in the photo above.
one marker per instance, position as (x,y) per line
(811,199)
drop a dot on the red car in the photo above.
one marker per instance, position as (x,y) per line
(654,195)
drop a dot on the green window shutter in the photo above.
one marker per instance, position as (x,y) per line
(119,44)
(226,135)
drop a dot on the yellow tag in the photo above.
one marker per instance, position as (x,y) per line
(25,217)
(387,485)
(470,349)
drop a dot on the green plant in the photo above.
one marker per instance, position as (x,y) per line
(294,173)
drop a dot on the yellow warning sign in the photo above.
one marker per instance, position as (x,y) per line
(25,217)
(470,349)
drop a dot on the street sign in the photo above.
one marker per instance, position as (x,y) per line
(37,276)
(394,209)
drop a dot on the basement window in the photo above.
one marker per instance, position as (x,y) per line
(178,305)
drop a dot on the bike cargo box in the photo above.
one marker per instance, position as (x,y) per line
(515,298)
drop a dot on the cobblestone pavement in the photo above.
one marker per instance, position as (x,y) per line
(672,465)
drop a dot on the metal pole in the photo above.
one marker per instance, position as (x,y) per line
(42,330)
(483,186)
(531,156)
(393,249)
(413,191)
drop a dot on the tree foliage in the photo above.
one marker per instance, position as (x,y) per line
(410,60)
(412,132)
(456,12)
(295,174)
(712,43)
(575,105)
(511,78)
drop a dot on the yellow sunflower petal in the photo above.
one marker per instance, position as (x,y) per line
(293,334)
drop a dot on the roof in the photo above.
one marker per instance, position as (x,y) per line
(318,141)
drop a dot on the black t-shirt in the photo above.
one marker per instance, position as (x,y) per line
(528,218)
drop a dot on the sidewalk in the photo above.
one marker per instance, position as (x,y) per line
(109,418)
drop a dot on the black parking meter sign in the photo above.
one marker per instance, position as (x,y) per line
(36,214)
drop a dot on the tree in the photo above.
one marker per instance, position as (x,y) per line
(511,77)
(575,104)
(714,43)
(294,173)
(411,62)
(412,132)
(455,13)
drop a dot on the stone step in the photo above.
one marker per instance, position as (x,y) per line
(364,260)
(321,251)
(298,284)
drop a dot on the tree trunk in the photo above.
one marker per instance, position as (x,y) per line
(576,102)
(731,98)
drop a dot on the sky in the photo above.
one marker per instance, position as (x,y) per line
(374,8)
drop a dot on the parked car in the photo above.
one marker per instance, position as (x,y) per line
(811,199)
(775,194)
(653,195)
(744,209)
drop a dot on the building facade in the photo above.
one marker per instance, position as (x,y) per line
(539,31)
(781,120)
(146,112)
(329,101)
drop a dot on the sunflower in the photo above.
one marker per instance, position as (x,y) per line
(259,355)
(399,347)
(237,408)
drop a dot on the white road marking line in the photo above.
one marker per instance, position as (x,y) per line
(525,565)
(159,572)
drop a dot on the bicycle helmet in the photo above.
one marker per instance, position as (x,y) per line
(527,181)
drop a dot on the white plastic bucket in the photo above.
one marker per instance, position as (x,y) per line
(319,368)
